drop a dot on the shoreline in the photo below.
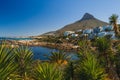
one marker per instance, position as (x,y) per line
(32,43)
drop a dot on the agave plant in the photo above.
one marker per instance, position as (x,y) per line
(59,57)
(106,54)
(85,46)
(23,58)
(103,44)
(117,61)
(7,66)
(69,71)
(89,68)
(47,71)
(104,48)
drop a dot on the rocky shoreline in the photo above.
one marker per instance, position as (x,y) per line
(60,46)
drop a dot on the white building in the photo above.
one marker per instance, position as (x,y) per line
(101,34)
(92,36)
(80,30)
(74,35)
(98,29)
(107,28)
(66,33)
(87,31)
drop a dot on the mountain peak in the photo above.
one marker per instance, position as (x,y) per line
(87,16)
(88,21)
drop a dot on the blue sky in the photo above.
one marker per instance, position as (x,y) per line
(34,17)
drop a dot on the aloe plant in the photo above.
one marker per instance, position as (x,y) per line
(23,58)
(106,55)
(69,71)
(89,68)
(103,44)
(46,71)
(7,66)
(59,57)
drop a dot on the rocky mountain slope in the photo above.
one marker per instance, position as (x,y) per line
(87,21)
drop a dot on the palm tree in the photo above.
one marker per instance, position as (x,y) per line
(7,66)
(23,58)
(113,20)
(59,57)
(46,71)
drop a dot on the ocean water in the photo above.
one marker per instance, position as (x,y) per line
(8,38)
(41,52)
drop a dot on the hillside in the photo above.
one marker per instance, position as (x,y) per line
(87,21)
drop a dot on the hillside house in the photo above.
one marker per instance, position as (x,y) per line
(80,30)
(74,35)
(107,28)
(97,29)
(67,33)
(87,31)
(92,33)
(101,34)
